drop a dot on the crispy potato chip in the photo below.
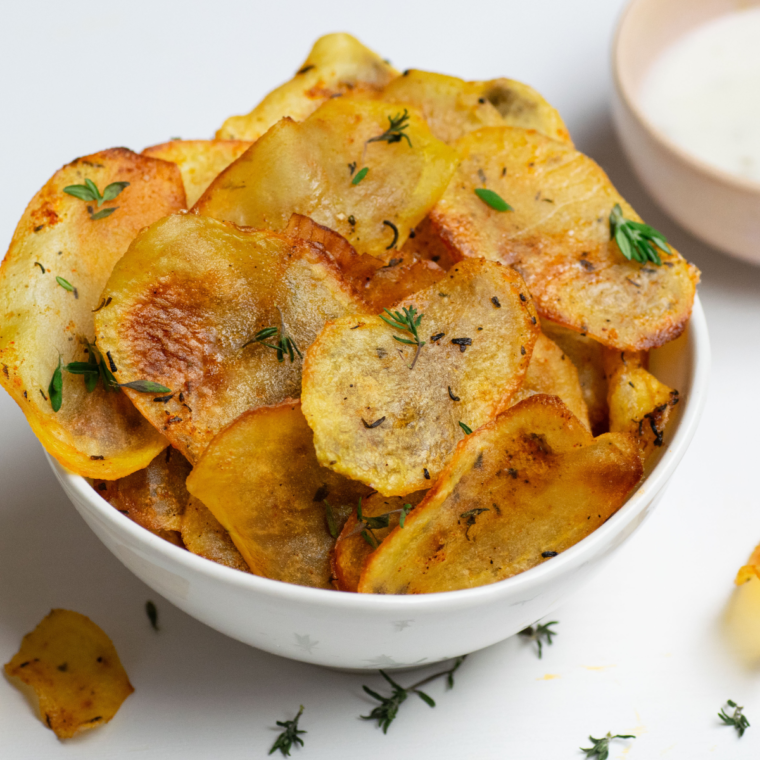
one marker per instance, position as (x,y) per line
(187,302)
(312,168)
(338,64)
(453,107)
(155,497)
(359,539)
(751,569)
(530,484)
(558,237)
(378,421)
(424,242)
(552,373)
(50,283)
(199,161)
(400,279)
(261,479)
(75,671)
(203,534)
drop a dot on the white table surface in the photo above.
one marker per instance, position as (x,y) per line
(643,649)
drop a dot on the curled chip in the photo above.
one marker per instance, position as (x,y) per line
(51,280)
(74,670)
(338,64)
(219,315)
(556,233)
(199,161)
(388,411)
(552,373)
(369,170)
(751,569)
(261,479)
(453,107)
(203,534)
(528,485)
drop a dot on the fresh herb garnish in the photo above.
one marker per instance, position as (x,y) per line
(289,736)
(395,234)
(371,425)
(332,526)
(66,285)
(152,613)
(395,132)
(492,199)
(37,264)
(407,321)
(405,510)
(469,518)
(360,175)
(467,429)
(366,525)
(636,241)
(145,386)
(601,748)
(89,192)
(386,711)
(539,632)
(738,720)
(285,345)
(55,389)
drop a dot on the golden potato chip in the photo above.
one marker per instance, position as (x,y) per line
(751,569)
(359,538)
(203,534)
(523,488)
(51,280)
(453,107)
(75,671)
(552,373)
(155,497)
(399,280)
(424,242)
(557,236)
(199,161)
(261,479)
(389,413)
(369,170)
(338,64)
(201,307)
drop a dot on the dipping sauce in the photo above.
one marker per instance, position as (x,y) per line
(703,93)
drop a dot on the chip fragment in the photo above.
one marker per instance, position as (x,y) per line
(203,534)
(751,569)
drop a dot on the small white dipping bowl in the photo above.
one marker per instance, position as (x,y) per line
(365,632)
(714,205)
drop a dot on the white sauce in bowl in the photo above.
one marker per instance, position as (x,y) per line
(703,93)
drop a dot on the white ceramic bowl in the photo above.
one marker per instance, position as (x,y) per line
(715,206)
(358,631)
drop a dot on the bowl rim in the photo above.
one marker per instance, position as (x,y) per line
(715,173)
(694,399)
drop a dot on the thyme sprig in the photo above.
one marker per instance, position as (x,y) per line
(636,241)
(366,525)
(539,632)
(601,747)
(395,132)
(89,192)
(408,321)
(385,713)
(289,736)
(738,720)
(284,345)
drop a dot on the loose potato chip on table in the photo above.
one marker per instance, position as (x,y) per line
(558,237)
(73,667)
(317,168)
(338,64)
(203,534)
(51,280)
(531,483)
(199,161)
(389,413)
(189,302)
(261,479)
(751,569)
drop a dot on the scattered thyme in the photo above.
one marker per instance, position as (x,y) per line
(547,555)
(467,429)
(636,241)
(352,220)
(285,345)
(103,304)
(37,264)
(289,736)
(55,389)
(366,525)
(395,234)
(152,613)
(89,192)
(462,343)
(469,518)
(437,336)
(452,396)
(495,301)
(601,747)
(360,175)
(332,526)
(539,632)
(371,425)
(395,132)
(66,285)
(738,720)
(492,199)
(408,321)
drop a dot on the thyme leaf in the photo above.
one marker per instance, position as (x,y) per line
(289,736)
(65,284)
(738,720)
(601,747)
(467,429)
(360,175)
(284,346)
(332,526)
(89,191)
(408,321)
(55,389)
(492,199)
(395,132)
(539,632)
(636,241)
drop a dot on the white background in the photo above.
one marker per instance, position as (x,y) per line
(644,649)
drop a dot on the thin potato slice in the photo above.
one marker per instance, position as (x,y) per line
(530,484)
(261,479)
(453,107)
(73,667)
(394,428)
(50,284)
(338,64)
(203,534)
(199,161)
(309,168)
(751,569)
(424,242)
(558,238)
(399,280)
(188,296)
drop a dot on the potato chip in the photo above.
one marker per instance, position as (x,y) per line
(75,671)
(751,569)
(453,107)
(552,373)
(558,237)
(199,161)
(338,64)
(359,539)
(188,304)
(203,534)
(261,479)
(51,280)
(317,168)
(388,413)
(424,242)
(523,488)
(400,279)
